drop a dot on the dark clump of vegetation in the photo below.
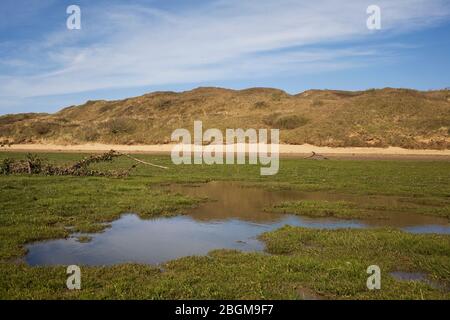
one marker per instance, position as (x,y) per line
(6,142)
(119,126)
(41,128)
(261,105)
(285,122)
(89,133)
(163,104)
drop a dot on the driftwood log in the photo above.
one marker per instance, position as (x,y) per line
(35,165)
(144,162)
(316,156)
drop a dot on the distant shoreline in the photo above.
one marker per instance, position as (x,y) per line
(286,151)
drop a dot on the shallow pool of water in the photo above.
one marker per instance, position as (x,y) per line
(233,200)
(131,239)
(233,219)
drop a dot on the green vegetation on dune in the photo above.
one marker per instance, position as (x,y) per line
(372,118)
(331,264)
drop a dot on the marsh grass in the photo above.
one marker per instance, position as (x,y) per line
(331,263)
(319,208)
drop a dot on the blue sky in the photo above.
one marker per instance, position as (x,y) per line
(128,48)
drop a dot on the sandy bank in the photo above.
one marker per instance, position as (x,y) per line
(285,150)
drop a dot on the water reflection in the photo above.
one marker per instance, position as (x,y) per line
(232,220)
(233,200)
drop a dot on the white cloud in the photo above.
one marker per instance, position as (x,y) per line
(130,45)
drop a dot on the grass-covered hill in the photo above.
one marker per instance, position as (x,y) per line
(375,118)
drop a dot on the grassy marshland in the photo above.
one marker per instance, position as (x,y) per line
(331,264)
